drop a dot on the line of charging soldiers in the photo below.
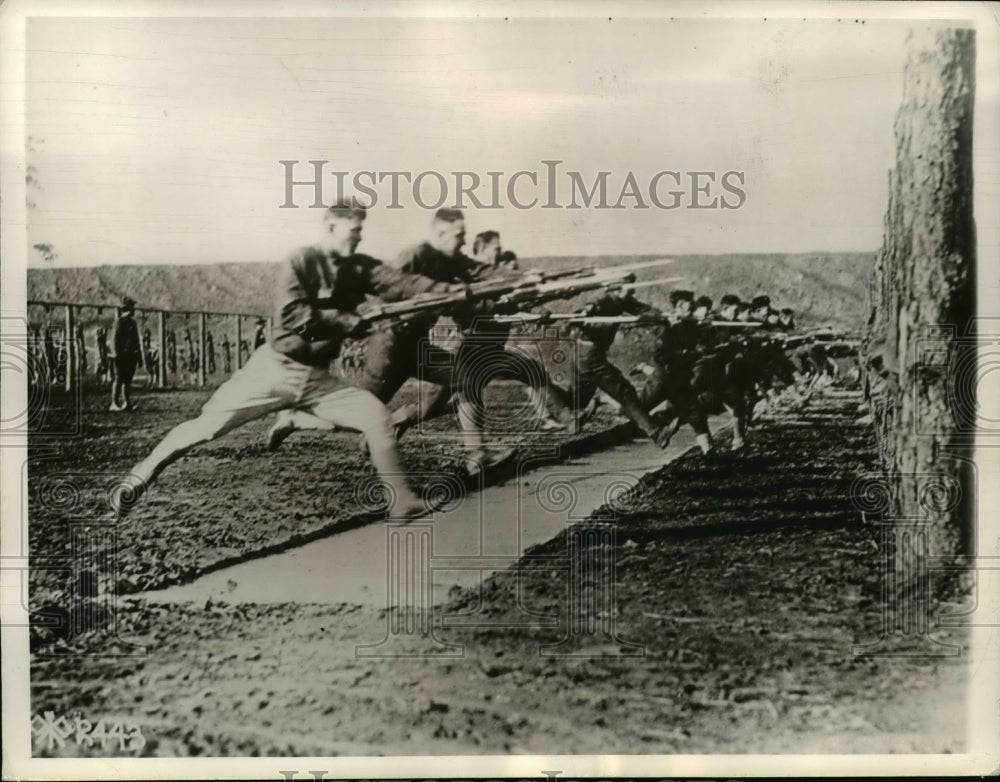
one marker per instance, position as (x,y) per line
(695,370)
(323,299)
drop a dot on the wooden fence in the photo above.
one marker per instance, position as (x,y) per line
(169,357)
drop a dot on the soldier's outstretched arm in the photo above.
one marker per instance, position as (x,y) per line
(392,284)
(633,306)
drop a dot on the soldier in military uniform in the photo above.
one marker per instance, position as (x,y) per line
(403,349)
(722,374)
(774,370)
(485,355)
(593,370)
(671,381)
(319,293)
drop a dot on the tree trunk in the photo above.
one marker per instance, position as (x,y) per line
(923,293)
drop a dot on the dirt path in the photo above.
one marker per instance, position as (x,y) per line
(738,590)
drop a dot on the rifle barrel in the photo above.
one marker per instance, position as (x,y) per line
(631,267)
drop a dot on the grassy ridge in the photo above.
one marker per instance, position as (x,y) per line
(821,287)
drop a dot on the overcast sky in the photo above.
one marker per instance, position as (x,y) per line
(161,138)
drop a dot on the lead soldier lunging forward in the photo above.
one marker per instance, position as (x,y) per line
(318,295)
(403,349)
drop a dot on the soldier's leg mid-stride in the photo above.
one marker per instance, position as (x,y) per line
(269,382)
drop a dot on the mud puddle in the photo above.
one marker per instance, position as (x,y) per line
(495,525)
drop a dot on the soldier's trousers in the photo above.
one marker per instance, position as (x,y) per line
(394,355)
(594,371)
(481,360)
(728,380)
(674,385)
(270,382)
(779,370)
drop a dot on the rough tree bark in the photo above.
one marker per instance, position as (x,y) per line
(925,280)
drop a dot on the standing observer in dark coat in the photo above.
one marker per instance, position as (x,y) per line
(127,354)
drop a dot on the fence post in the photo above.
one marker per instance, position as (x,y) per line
(239,342)
(201,348)
(68,347)
(161,323)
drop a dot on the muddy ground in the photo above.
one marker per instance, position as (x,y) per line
(740,587)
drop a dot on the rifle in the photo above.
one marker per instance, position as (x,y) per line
(817,335)
(529,289)
(457,295)
(545,276)
(567,288)
(625,320)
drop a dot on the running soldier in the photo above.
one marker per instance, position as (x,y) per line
(774,371)
(319,294)
(483,356)
(672,378)
(722,375)
(593,371)
(402,349)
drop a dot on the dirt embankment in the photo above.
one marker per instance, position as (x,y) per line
(820,286)
(739,589)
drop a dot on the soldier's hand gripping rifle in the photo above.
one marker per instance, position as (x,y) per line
(523,290)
